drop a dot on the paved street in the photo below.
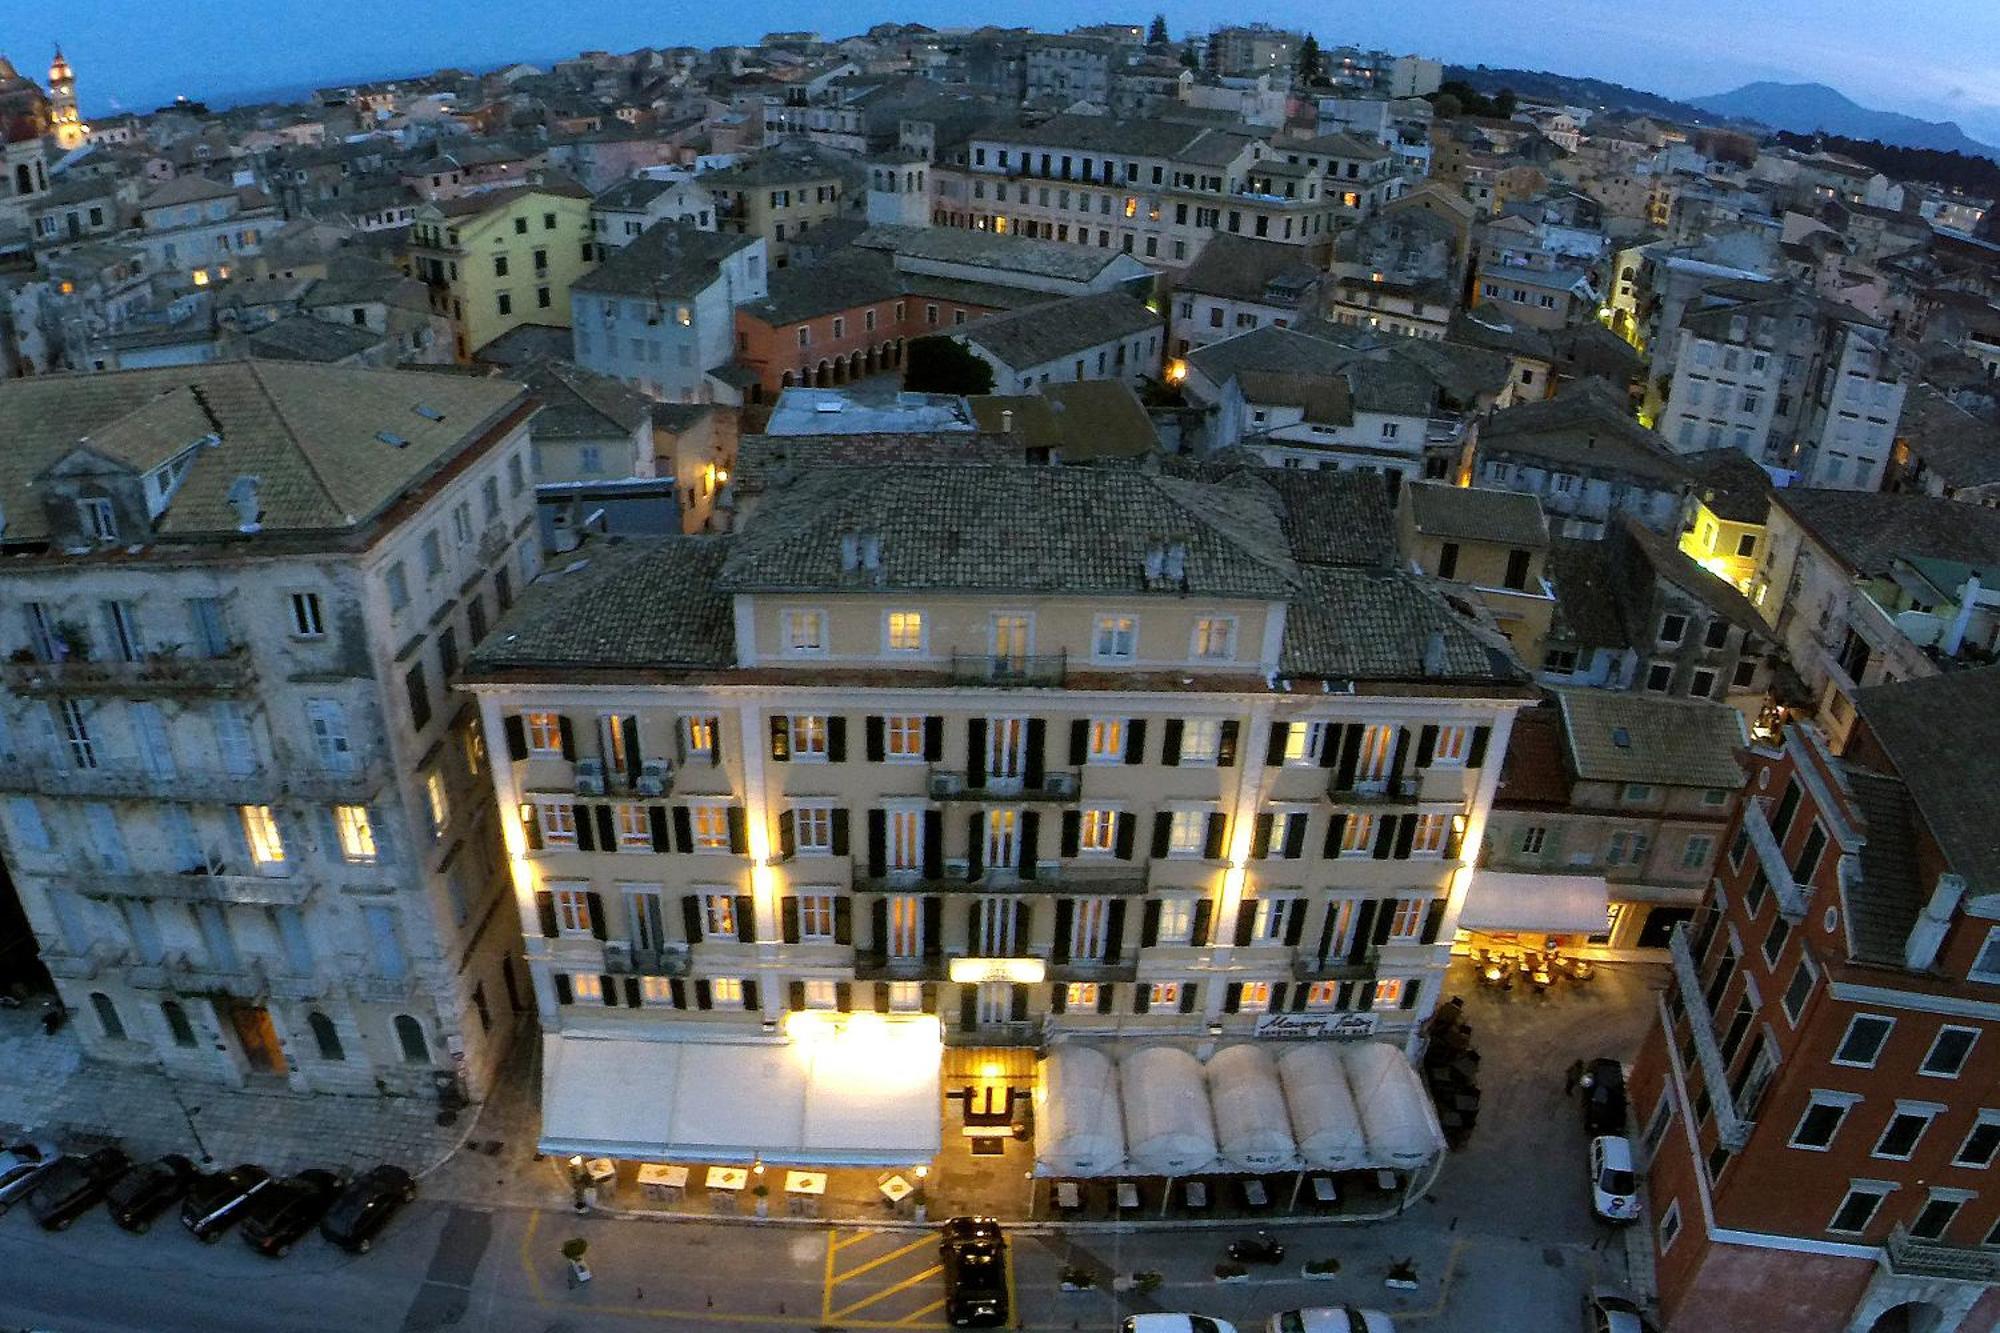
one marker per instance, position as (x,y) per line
(1504,1241)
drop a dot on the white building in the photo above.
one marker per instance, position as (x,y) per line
(660,314)
(1100,337)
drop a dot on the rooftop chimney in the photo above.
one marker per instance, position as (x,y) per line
(244,500)
(1920,949)
(1006,421)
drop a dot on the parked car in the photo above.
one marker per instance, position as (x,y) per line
(1174,1323)
(285,1210)
(1604,1097)
(1331,1319)
(366,1206)
(1614,1188)
(72,1187)
(21,1164)
(974,1257)
(1608,1310)
(142,1193)
(215,1200)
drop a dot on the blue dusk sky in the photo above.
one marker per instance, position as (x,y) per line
(1938,59)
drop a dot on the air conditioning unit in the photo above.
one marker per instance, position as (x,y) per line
(590,777)
(653,775)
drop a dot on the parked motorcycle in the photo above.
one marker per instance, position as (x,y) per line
(1257,1249)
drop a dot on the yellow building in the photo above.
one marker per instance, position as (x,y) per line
(503,258)
(781,194)
(1729,506)
(1495,543)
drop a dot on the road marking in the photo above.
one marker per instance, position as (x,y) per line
(912,1318)
(875,1263)
(861,1234)
(826,1283)
(1436,1308)
(887,1292)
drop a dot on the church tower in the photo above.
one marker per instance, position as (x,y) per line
(64,121)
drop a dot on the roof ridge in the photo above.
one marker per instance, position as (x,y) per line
(1167,486)
(255,368)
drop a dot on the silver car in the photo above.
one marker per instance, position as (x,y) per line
(21,1165)
(1331,1319)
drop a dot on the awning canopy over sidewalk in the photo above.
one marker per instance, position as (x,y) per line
(1552,904)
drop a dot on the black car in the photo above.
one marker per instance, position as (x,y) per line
(72,1187)
(145,1190)
(366,1206)
(217,1199)
(1604,1097)
(285,1210)
(974,1256)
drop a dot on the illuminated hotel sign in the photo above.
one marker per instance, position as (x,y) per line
(1313,1027)
(977,971)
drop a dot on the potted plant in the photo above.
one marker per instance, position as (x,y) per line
(581,1194)
(762,1194)
(1076,1279)
(1231,1272)
(74,639)
(1319,1270)
(1402,1275)
(573,1250)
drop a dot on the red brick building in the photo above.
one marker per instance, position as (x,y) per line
(1819,1107)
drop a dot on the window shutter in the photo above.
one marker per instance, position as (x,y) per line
(933,926)
(1295,922)
(1163,834)
(545,908)
(1327,920)
(843,996)
(968,1008)
(788,918)
(607,829)
(599,927)
(788,834)
(1065,922)
(1350,758)
(881,997)
(702,998)
(872,743)
(739,837)
(1114,931)
(1124,828)
(878,843)
(1232,998)
(975,849)
(1018,1007)
(1031,842)
(631,992)
(1079,742)
(843,919)
(691,916)
(746,919)
(878,924)
(1149,924)
(1072,832)
(1427,741)
(634,761)
(1398,758)
(531,828)
(1300,994)
(1204,915)
(933,739)
(1454,839)
(1260,840)
(1106,993)
(517,736)
(1345,999)
(1295,836)
(1278,990)
(975,752)
(1274,748)
(836,739)
(607,989)
(656,816)
(1364,931)
(586,829)
(1170,742)
(753,998)
(1216,826)
(1385,919)
(683,829)
(1475,755)
(1189,989)
(933,844)
(1142,998)
(1406,836)
(795,996)
(1433,920)
(927,995)
(1225,748)
(1135,741)
(563,993)
(1385,836)
(1058,998)
(1410,990)
(1246,921)
(1024,920)
(568,735)
(715,742)
(781,738)
(1035,769)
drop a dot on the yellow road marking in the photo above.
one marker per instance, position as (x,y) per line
(527,1262)
(875,1263)
(932,1308)
(826,1282)
(1436,1307)
(855,1239)
(887,1292)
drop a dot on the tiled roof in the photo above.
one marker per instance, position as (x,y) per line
(1663,555)
(1510,518)
(1616,737)
(1940,734)
(786,164)
(1004,528)
(580,405)
(305,338)
(634,193)
(1964,450)
(764,462)
(1241,268)
(1587,603)
(668,259)
(1125,138)
(1269,348)
(1100,419)
(1535,772)
(1587,428)
(308,433)
(488,201)
(1731,484)
(1331,516)
(627,602)
(842,281)
(1324,399)
(1885,900)
(1349,624)
(989,250)
(526,342)
(187,190)
(1040,334)
(1867,530)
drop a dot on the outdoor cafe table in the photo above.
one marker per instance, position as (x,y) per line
(804,1188)
(662,1182)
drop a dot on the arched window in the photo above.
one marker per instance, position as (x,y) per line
(107,1015)
(326,1035)
(177,1022)
(410,1033)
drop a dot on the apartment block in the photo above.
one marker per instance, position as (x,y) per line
(250,825)
(498,259)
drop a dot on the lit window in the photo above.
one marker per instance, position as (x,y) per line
(1201,741)
(1357,835)
(544,733)
(1408,921)
(558,825)
(1080,995)
(436,803)
(1254,997)
(819,994)
(726,992)
(1215,638)
(718,916)
(1377,747)
(1323,995)
(1107,740)
(1450,748)
(635,829)
(1389,993)
(1163,994)
(586,986)
(906,997)
(700,732)
(260,831)
(1187,833)
(357,835)
(816,916)
(711,827)
(1430,835)
(812,828)
(906,631)
(1176,923)
(572,911)
(1117,637)
(805,631)
(903,737)
(808,732)
(1098,830)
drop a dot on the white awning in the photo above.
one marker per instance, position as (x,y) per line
(1079,1129)
(1252,1126)
(1552,904)
(863,1092)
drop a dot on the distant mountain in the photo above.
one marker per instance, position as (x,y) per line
(1571,90)
(1805,108)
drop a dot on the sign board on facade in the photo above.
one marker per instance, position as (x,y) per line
(1316,1027)
(977,971)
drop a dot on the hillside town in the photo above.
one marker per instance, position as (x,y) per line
(982,677)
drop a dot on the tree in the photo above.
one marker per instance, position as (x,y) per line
(938,364)
(1446,106)
(1188,56)
(1157,34)
(1309,59)
(1504,103)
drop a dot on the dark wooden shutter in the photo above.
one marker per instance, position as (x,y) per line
(1189,990)
(631,992)
(1018,1004)
(1225,749)
(878,843)
(878,925)
(843,996)
(568,734)
(788,834)
(656,817)
(788,918)
(843,919)
(586,829)
(1406,836)
(975,845)
(1331,744)
(1427,740)
(1135,741)
(1024,924)
(1072,832)
(1350,757)
(1114,931)
(1124,828)
(1410,990)
(871,738)
(1163,834)
(1217,825)
(1260,838)
(1058,998)
(677,993)
(545,908)
(691,916)
(563,993)
(839,822)
(1364,931)
(1079,742)
(607,990)
(1295,921)
(781,738)
(517,736)
(531,827)
(746,919)
(975,752)
(599,927)
(881,997)
(1142,998)
(1475,756)
(1295,836)
(634,761)
(1031,842)
(933,739)
(1035,768)
(933,844)
(1105,994)
(1385,836)
(1204,915)
(739,834)
(1278,990)
(1065,919)
(1398,758)
(1385,920)
(1232,998)
(607,829)
(1433,920)
(1149,924)
(1454,838)
(795,996)
(1327,921)
(968,1008)
(702,998)
(1300,994)
(933,926)
(1274,748)
(1246,921)
(714,752)
(927,995)
(683,829)
(836,739)
(1170,742)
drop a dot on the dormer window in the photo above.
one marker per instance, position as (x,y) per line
(100,521)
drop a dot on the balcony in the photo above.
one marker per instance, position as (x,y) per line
(1731,1129)
(880,965)
(385,990)
(627,960)
(161,673)
(1045,670)
(1028,1032)
(183,974)
(1388,792)
(190,886)
(1061,786)
(261,786)
(1771,857)
(1120,879)
(84,966)
(1334,969)
(1912,1256)
(1094,969)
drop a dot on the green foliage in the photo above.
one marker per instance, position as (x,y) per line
(938,364)
(1977,176)
(573,1249)
(1189,58)
(1157,34)
(1309,58)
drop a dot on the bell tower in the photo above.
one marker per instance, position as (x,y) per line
(64,120)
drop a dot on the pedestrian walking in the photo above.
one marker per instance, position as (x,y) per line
(1572,1078)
